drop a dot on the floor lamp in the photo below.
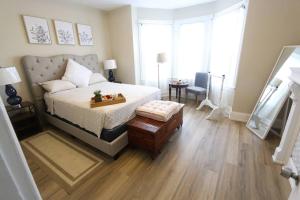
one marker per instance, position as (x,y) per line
(161,58)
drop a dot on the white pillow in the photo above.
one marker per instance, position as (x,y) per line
(77,74)
(57,85)
(97,78)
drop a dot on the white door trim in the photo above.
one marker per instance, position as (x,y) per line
(16,168)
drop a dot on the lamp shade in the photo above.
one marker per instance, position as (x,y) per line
(9,75)
(161,58)
(110,64)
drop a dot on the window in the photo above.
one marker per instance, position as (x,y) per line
(210,43)
(226,42)
(227,30)
(155,38)
(191,50)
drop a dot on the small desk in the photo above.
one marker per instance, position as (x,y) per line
(178,87)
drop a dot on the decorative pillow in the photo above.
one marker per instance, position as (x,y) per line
(77,74)
(158,110)
(97,78)
(57,85)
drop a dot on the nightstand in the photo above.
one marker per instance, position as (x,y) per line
(24,120)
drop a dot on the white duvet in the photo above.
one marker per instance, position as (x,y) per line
(74,105)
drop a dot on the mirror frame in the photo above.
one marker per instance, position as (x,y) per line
(261,94)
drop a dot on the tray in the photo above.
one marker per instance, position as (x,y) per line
(106,102)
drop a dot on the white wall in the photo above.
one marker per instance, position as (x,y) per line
(184,13)
(120,23)
(7,185)
(13,39)
(154,14)
(194,11)
(270,25)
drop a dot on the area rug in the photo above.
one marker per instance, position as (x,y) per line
(64,161)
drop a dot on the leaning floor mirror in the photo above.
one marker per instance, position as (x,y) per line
(275,92)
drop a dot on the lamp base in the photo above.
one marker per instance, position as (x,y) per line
(111,77)
(13,99)
(10,90)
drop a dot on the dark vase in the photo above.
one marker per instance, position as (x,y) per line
(111,77)
(10,90)
(13,99)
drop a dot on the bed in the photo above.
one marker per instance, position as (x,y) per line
(105,127)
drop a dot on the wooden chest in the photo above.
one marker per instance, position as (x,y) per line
(150,134)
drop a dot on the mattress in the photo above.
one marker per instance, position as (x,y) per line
(74,105)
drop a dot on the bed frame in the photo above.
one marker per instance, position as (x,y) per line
(41,69)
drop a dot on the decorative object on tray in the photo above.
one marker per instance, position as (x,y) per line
(85,35)
(98,96)
(175,81)
(8,76)
(64,32)
(37,30)
(108,100)
(110,65)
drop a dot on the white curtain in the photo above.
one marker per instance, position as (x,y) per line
(225,48)
(154,39)
(191,50)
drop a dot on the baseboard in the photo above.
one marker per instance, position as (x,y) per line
(238,116)
(292,166)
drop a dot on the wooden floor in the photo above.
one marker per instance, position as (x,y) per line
(204,160)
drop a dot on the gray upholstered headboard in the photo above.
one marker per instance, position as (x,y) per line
(41,69)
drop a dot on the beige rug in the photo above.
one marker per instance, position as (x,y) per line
(67,163)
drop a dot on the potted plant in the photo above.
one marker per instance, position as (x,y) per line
(98,96)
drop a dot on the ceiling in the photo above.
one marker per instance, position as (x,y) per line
(163,4)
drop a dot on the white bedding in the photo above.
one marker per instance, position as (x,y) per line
(74,105)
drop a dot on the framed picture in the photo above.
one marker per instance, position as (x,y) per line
(64,32)
(37,30)
(85,35)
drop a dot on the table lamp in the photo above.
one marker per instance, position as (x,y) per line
(161,58)
(9,76)
(110,65)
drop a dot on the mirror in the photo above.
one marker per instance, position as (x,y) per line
(275,92)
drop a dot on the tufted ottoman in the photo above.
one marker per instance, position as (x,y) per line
(154,124)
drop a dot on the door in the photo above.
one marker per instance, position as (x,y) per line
(16,181)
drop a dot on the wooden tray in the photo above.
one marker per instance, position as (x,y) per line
(105,102)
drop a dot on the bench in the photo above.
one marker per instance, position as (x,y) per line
(150,134)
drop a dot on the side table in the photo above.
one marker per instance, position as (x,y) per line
(24,119)
(178,87)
